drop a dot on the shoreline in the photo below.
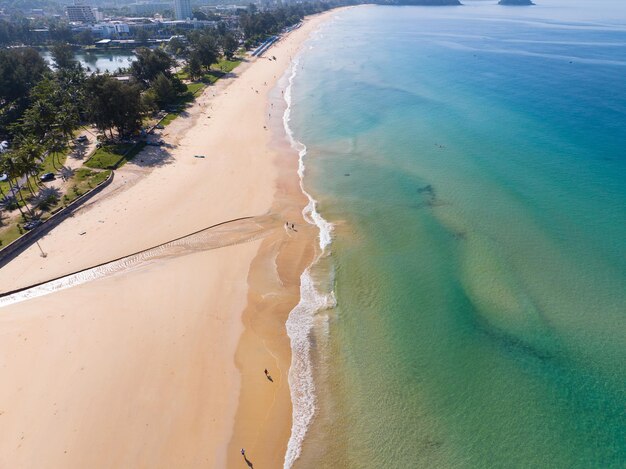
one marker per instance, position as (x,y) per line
(214,331)
(263,424)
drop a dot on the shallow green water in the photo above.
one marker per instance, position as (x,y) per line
(472,162)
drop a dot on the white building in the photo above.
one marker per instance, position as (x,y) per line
(113,29)
(182,9)
(121,29)
(102,30)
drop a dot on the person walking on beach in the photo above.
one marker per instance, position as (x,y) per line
(243,452)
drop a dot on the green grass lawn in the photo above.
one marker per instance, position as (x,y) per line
(10,233)
(114,156)
(84,180)
(226,66)
(5,187)
(194,88)
(212,76)
(49,162)
(169,118)
(223,66)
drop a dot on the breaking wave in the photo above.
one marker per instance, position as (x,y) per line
(301,318)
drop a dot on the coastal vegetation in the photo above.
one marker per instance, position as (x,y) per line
(84,180)
(113,156)
(43,109)
(21,29)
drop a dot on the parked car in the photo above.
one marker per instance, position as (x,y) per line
(46,177)
(82,139)
(29,225)
(159,126)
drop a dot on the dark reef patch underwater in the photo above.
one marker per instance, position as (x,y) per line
(478,259)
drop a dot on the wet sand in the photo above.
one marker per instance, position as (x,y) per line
(162,365)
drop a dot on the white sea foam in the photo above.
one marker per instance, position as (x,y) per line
(301,318)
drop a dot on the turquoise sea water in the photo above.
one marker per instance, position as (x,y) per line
(473,163)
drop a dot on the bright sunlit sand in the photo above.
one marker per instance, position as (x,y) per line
(162,364)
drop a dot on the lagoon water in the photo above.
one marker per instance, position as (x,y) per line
(473,163)
(100,61)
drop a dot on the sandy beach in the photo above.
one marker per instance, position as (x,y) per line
(162,365)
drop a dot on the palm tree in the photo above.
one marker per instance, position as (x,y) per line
(67,121)
(14,172)
(4,147)
(56,143)
(3,172)
(2,194)
(30,167)
(29,157)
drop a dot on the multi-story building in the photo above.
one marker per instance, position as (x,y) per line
(182,9)
(79,13)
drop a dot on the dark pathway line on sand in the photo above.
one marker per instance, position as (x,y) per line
(28,287)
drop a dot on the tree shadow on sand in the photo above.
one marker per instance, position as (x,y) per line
(153,157)
(231,74)
(8,203)
(66,172)
(183,114)
(79,152)
(46,198)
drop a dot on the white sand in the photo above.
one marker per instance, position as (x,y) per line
(138,369)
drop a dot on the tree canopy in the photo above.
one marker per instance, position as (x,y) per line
(149,64)
(20,70)
(205,48)
(113,104)
(63,55)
